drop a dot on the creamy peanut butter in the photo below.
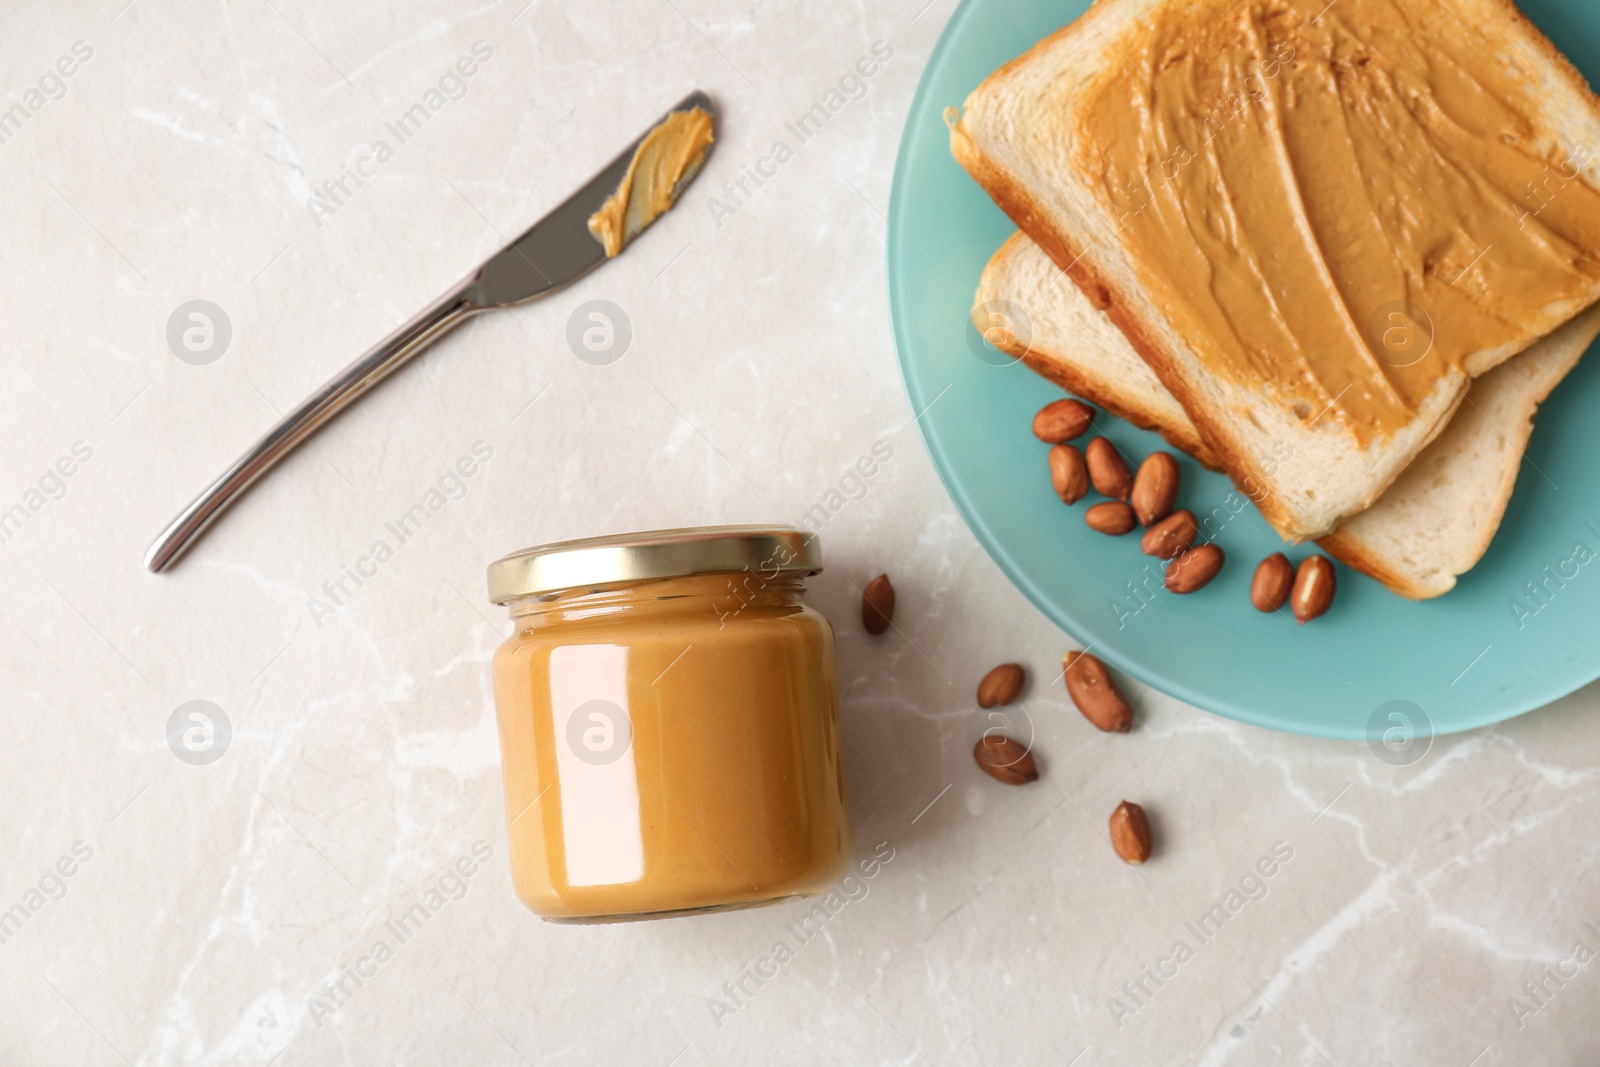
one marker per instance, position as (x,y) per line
(671,745)
(668,154)
(1343,200)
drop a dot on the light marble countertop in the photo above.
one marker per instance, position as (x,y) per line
(1408,908)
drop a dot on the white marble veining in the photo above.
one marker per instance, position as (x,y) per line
(233,912)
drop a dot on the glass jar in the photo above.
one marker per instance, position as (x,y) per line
(669,724)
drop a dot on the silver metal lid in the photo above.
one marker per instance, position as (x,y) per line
(636,557)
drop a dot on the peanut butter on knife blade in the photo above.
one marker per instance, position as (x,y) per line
(667,155)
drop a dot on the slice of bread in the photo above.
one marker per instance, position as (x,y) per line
(1432,524)
(1018,135)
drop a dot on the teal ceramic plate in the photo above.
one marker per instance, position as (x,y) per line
(1520,630)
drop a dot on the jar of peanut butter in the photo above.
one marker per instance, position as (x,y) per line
(669,724)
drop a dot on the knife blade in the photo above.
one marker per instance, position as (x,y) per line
(559,249)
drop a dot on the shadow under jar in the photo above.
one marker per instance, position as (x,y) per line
(669,724)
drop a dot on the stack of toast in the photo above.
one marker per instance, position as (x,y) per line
(1340,252)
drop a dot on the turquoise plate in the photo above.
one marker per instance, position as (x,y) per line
(1519,630)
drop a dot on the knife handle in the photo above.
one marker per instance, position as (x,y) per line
(444,314)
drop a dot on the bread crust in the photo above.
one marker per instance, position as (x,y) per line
(1354,554)
(1138,415)
(1064,374)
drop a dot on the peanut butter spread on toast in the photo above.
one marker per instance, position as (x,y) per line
(1345,201)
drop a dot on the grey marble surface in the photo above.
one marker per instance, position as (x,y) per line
(214,913)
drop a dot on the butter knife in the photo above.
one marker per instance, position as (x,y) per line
(555,252)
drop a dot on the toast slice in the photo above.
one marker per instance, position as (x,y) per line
(1254,261)
(1433,524)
